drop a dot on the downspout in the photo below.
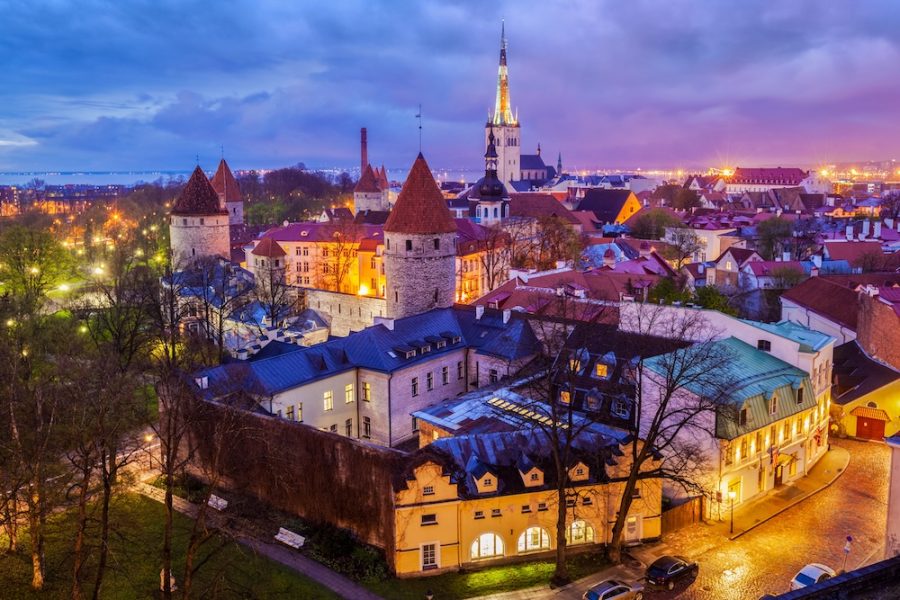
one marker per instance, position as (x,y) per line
(390,413)
(358,402)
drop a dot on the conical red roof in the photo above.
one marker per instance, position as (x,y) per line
(420,206)
(225,184)
(198,197)
(382,178)
(368,182)
(268,247)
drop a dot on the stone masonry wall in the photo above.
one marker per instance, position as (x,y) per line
(190,240)
(878,330)
(348,312)
(413,276)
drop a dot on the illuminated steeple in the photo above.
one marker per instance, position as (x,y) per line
(503,114)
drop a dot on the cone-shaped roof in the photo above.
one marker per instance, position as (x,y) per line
(225,184)
(420,207)
(268,247)
(198,197)
(383,179)
(368,182)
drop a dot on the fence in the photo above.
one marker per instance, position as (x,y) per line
(684,514)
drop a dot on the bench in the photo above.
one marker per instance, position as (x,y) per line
(289,538)
(217,503)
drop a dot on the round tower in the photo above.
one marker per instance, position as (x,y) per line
(229,192)
(198,223)
(420,247)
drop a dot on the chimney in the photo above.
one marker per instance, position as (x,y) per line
(865,230)
(386,321)
(817,260)
(786,256)
(479,311)
(363,150)
(507,313)
(876,230)
(849,233)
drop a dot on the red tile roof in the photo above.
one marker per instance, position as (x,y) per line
(268,247)
(420,206)
(741,255)
(368,182)
(225,184)
(776,176)
(383,179)
(826,298)
(198,197)
(766,268)
(853,252)
(537,205)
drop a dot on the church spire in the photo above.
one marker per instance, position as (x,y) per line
(502,112)
(559,164)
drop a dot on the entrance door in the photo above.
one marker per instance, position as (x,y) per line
(779,472)
(633,529)
(871,429)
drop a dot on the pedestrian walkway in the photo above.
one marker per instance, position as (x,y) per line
(631,571)
(288,557)
(754,513)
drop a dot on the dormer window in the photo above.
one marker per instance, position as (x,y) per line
(773,405)
(440,344)
(764,345)
(800,395)
(409,245)
(619,408)
(565,397)
(601,370)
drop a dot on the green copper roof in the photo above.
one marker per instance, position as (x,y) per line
(809,340)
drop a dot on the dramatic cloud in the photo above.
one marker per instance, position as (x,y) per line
(141,84)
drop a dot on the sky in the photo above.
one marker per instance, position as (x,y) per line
(152,84)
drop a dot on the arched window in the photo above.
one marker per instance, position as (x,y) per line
(486,545)
(580,532)
(534,539)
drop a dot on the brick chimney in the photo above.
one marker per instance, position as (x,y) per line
(363,150)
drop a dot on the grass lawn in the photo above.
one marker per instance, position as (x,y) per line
(489,581)
(231,571)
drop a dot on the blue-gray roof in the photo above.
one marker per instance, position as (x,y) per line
(379,348)
(809,340)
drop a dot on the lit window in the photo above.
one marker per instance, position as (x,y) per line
(487,545)
(348,393)
(565,397)
(428,490)
(366,391)
(328,398)
(579,532)
(534,538)
(601,370)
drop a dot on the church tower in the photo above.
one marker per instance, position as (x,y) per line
(492,199)
(198,223)
(420,247)
(504,124)
(229,192)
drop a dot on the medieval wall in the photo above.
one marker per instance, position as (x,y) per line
(878,330)
(347,312)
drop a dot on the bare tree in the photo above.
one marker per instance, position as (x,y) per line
(494,257)
(674,425)
(344,236)
(683,246)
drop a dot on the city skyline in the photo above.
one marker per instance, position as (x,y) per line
(120,88)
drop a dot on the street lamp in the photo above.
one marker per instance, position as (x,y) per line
(731,496)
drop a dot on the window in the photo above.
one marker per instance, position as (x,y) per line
(535,477)
(786,431)
(415,424)
(333,428)
(587,501)
(445,375)
(429,557)
(579,532)
(300,412)
(459,370)
(408,245)
(328,398)
(495,512)
(728,265)
(744,452)
(430,519)
(414,386)
(366,391)
(570,502)
(579,472)
(743,417)
(759,442)
(542,506)
(764,345)
(367,427)
(494,376)
(619,408)
(372,263)
(773,405)
(201,220)
(526,508)
(429,381)
(532,539)
(324,252)
(601,370)
(289,413)
(487,482)
(428,490)
(565,397)
(800,395)
(437,243)
(486,545)
(348,427)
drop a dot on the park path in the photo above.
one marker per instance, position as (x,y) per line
(277,552)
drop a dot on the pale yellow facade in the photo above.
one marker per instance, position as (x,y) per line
(886,398)
(438,531)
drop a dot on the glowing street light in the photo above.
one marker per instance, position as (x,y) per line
(731,496)
(64,287)
(98,270)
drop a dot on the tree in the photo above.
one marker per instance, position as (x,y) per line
(557,242)
(890,206)
(786,277)
(685,199)
(494,257)
(674,424)
(712,298)
(344,236)
(683,245)
(32,263)
(774,237)
(652,223)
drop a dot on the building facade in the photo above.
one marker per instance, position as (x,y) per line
(198,222)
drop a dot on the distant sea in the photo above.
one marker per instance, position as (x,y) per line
(133,177)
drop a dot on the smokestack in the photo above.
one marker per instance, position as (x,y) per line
(363,150)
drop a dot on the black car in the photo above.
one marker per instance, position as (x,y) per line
(666,571)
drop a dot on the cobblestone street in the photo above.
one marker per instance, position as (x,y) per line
(766,558)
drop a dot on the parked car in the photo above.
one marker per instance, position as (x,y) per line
(811,574)
(666,571)
(612,589)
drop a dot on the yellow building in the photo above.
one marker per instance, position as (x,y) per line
(867,395)
(483,499)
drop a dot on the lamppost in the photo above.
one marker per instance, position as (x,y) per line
(846,552)
(731,496)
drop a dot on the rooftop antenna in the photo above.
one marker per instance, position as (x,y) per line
(419,117)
